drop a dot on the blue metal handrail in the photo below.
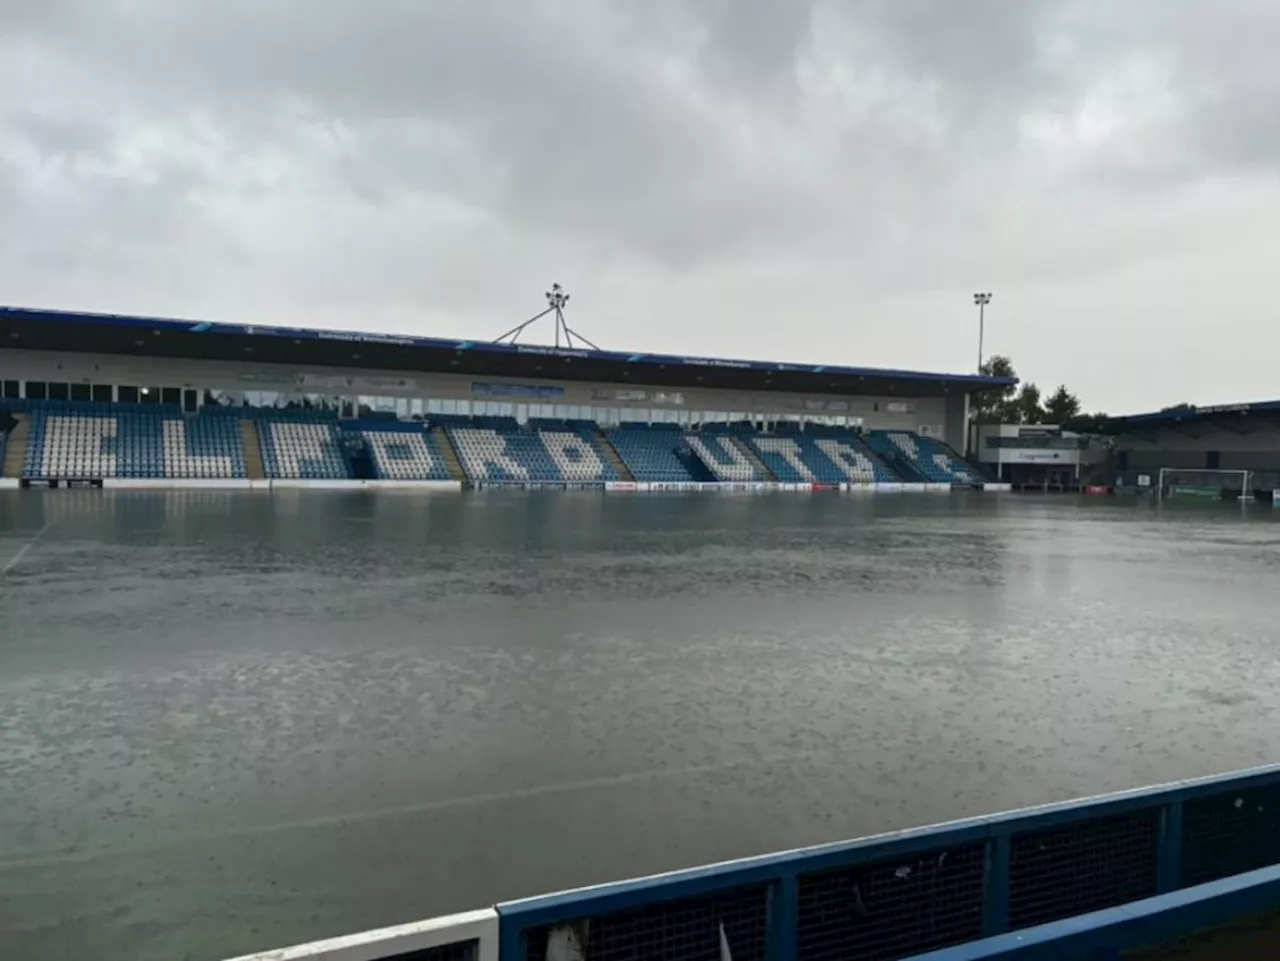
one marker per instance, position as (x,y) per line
(781,873)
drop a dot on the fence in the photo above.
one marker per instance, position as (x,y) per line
(1125,868)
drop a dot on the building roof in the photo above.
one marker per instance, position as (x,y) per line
(38,329)
(1182,415)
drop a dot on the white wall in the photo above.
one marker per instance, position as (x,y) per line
(885,412)
(1046,453)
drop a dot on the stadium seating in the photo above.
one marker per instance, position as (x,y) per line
(70,439)
(126,440)
(498,449)
(2,444)
(302,447)
(202,447)
(820,456)
(931,459)
(726,455)
(399,454)
(651,453)
(304,415)
(574,449)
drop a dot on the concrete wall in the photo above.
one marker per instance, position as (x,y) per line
(955,422)
(943,414)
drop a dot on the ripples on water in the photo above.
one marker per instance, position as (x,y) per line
(230,722)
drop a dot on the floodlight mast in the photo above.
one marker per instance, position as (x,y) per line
(981,300)
(557,299)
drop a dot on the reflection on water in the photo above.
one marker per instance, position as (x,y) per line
(231,721)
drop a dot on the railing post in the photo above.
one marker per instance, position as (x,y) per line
(1169,852)
(783,917)
(995,895)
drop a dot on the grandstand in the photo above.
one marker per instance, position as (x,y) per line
(1227,451)
(119,401)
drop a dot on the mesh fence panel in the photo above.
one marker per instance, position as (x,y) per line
(1082,867)
(687,929)
(892,909)
(1230,833)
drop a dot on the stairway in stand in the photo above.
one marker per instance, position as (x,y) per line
(450,456)
(15,451)
(612,456)
(756,462)
(252,450)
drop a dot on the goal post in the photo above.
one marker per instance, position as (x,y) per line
(1218,484)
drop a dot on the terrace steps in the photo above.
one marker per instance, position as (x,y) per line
(252,450)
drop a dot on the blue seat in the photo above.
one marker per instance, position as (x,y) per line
(928,457)
(499,449)
(820,455)
(652,453)
(403,452)
(302,447)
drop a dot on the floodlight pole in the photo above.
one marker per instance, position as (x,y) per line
(556,301)
(981,299)
(518,329)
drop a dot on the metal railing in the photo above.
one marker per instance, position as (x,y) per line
(907,893)
(472,936)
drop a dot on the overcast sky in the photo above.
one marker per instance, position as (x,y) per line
(774,179)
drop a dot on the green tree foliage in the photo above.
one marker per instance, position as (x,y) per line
(1023,404)
(994,406)
(1027,409)
(1061,406)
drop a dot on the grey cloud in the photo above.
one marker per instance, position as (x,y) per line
(405,158)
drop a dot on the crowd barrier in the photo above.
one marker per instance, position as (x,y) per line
(629,487)
(761,487)
(164,483)
(1060,881)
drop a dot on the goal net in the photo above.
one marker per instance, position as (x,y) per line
(1221,484)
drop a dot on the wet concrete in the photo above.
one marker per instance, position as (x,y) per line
(231,722)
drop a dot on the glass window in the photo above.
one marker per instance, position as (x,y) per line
(102,393)
(128,395)
(171,395)
(150,395)
(59,392)
(11,388)
(80,392)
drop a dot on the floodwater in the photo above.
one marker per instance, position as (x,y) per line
(231,722)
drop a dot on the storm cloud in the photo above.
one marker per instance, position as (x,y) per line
(773,178)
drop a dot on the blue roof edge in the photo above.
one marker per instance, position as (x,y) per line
(975,381)
(1192,411)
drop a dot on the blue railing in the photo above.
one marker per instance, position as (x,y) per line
(1113,871)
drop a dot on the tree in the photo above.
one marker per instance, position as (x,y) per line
(1021,405)
(1061,406)
(994,406)
(1026,406)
